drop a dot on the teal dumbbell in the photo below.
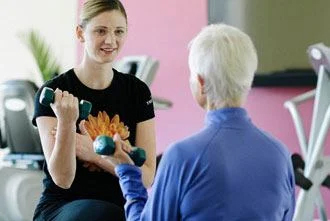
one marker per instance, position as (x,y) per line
(104,145)
(47,97)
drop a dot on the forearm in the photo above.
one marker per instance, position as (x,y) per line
(62,162)
(133,190)
(146,139)
(148,174)
(104,164)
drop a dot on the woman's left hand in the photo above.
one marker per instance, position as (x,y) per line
(84,145)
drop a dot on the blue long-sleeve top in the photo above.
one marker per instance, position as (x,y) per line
(230,170)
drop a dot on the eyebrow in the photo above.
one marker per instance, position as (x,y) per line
(101,26)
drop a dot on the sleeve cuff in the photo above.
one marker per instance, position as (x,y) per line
(130,180)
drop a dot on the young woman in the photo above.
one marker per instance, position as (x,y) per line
(79,184)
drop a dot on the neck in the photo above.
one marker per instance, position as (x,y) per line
(212,106)
(94,75)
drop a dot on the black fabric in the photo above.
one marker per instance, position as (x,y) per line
(82,210)
(128,97)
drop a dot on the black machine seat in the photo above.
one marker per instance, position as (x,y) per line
(16,130)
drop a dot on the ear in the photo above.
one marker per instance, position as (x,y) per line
(201,84)
(80,33)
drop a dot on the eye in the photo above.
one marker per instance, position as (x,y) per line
(119,32)
(101,31)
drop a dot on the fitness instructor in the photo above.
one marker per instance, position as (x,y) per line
(79,184)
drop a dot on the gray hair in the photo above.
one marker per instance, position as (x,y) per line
(227,60)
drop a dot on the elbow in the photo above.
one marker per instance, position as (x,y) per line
(148,182)
(62,183)
(148,176)
(63,180)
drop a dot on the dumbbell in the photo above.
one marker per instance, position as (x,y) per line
(47,97)
(104,145)
(298,167)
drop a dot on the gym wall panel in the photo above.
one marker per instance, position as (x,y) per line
(281,30)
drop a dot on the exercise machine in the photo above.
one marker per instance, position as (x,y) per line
(317,164)
(22,157)
(145,68)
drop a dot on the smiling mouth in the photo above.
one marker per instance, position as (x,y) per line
(108,50)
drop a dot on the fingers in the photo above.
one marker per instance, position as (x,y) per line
(82,128)
(122,150)
(57,96)
(91,167)
(126,147)
(120,144)
(64,96)
(86,164)
(116,137)
(65,106)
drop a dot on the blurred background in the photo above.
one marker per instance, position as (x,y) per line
(281,30)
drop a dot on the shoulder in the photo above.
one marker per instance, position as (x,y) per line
(188,149)
(276,144)
(130,80)
(59,80)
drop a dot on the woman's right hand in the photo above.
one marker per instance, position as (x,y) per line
(65,106)
(120,155)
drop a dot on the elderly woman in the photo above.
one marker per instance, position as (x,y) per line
(230,169)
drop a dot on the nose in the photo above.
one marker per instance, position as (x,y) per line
(110,38)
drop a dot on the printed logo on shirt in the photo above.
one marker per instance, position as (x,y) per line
(149,101)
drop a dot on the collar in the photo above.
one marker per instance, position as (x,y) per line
(226,114)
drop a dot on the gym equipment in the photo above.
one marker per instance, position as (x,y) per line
(21,157)
(144,68)
(317,167)
(16,111)
(104,145)
(47,97)
(298,167)
(20,190)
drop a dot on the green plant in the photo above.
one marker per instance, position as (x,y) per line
(46,62)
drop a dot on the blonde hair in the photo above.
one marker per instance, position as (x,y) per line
(227,60)
(92,8)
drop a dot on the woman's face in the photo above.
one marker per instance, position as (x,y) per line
(104,36)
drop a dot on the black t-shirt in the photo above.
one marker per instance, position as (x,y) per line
(128,97)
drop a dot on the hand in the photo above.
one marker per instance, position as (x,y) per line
(92,167)
(84,145)
(120,155)
(84,149)
(65,106)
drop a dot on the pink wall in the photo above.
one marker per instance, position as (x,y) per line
(265,105)
(163,29)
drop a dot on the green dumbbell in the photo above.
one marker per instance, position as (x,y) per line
(47,97)
(104,145)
